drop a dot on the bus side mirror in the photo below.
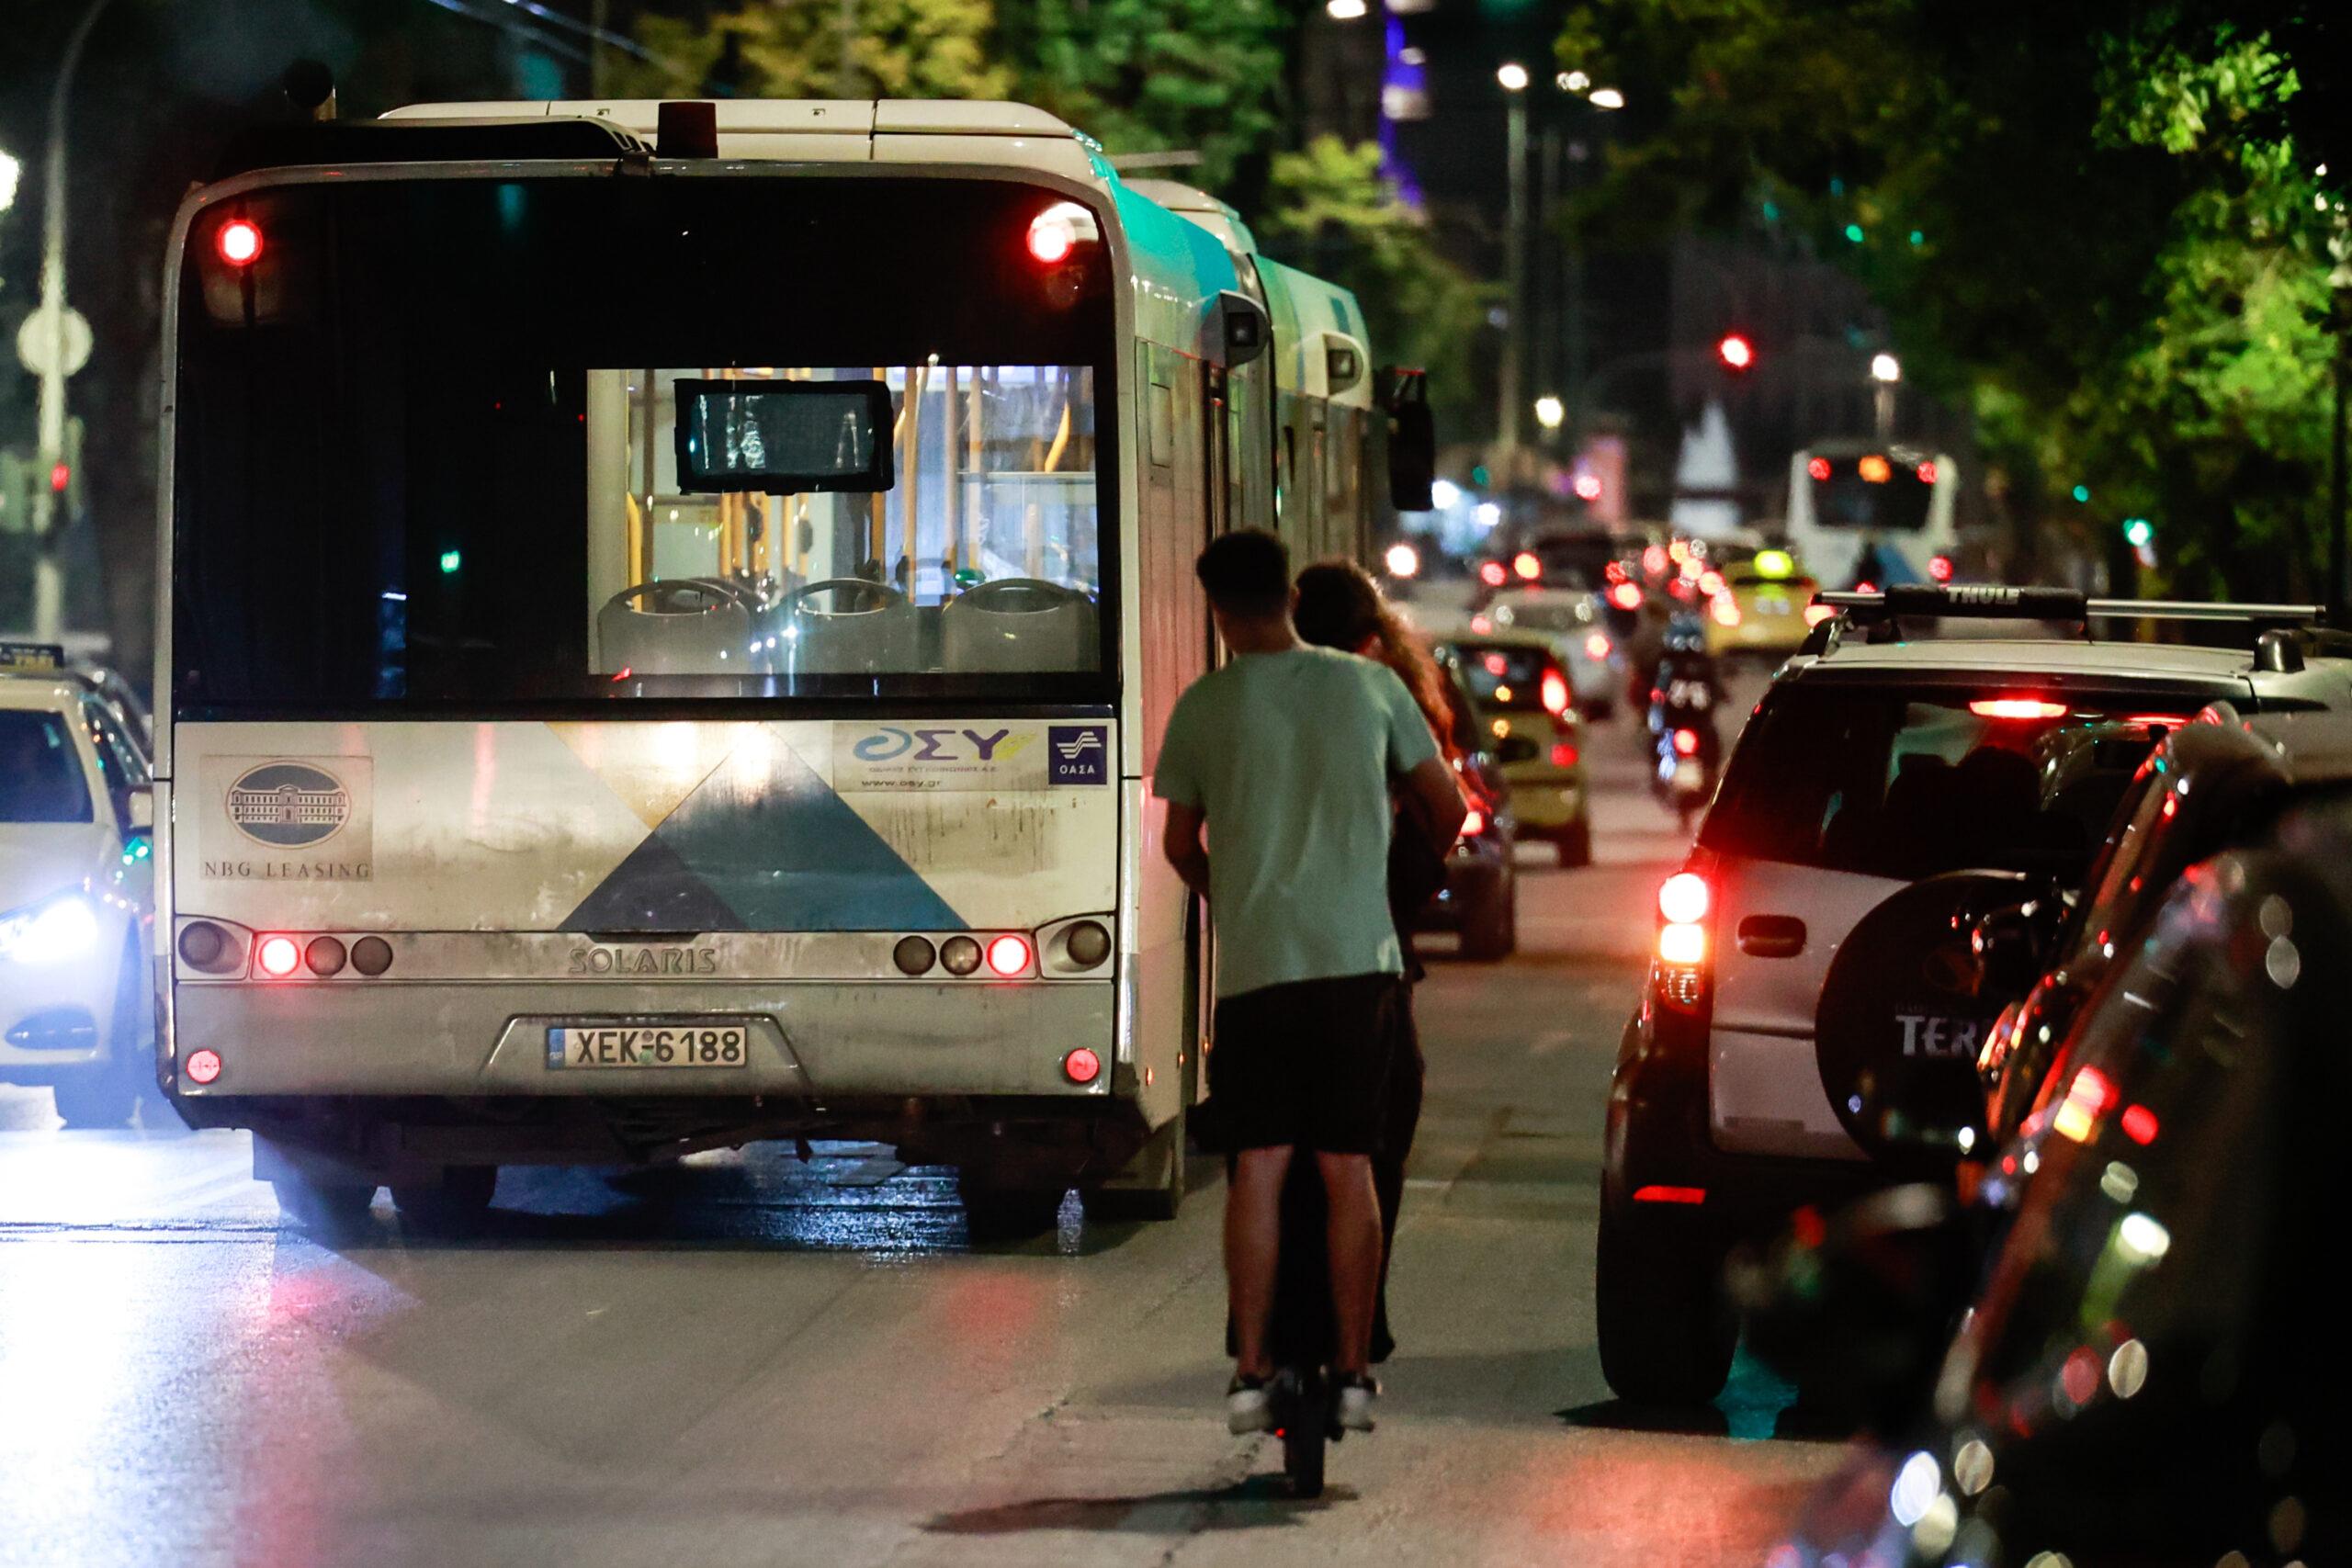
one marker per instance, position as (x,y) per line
(1241,329)
(1412,439)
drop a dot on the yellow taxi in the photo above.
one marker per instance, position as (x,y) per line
(77,892)
(1762,606)
(1521,700)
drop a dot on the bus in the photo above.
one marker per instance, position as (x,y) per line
(1874,513)
(670,612)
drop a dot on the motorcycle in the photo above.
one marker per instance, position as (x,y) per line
(1684,749)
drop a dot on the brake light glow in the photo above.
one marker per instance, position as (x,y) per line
(1726,609)
(1526,564)
(2017,707)
(1492,573)
(1627,596)
(1654,560)
(1816,614)
(202,1066)
(1474,822)
(2139,1124)
(278,955)
(2088,1099)
(1686,742)
(239,241)
(1684,898)
(1655,1193)
(1051,238)
(1555,692)
(1563,754)
(1682,943)
(1939,568)
(1008,955)
(1082,1066)
(1927,472)
(1710,582)
(1820,468)
(1596,646)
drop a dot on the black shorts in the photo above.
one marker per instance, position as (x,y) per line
(1308,1064)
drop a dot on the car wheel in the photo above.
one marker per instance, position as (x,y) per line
(1575,844)
(1007,1213)
(1487,931)
(1666,1329)
(330,1207)
(102,1096)
(453,1203)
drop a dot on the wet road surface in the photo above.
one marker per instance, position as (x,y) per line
(754,1360)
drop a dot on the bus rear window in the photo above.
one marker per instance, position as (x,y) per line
(431,451)
(1873,491)
(1910,783)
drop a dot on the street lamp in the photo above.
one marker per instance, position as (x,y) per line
(9,170)
(1344,10)
(1573,81)
(1550,411)
(1886,370)
(1514,77)
(1606,99)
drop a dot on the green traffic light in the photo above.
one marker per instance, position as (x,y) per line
(2139,532)
(2082,493)
(1854,233)
(450,562)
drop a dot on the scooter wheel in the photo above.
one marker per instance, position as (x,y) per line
(1305,1431)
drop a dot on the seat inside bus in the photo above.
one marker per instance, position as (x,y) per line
(1018,623)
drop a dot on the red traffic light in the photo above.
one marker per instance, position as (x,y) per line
(1735,351)
(59,476)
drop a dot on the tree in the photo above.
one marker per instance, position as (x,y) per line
(1159,75)
(898,49)
(2096,224)
(1333,213)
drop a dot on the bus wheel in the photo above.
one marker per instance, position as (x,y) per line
(1157,1174)
(454,1201)
(330,1207)
(1007,1213)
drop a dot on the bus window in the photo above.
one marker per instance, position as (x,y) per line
(434,456)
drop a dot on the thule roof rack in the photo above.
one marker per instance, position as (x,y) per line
(1877,614)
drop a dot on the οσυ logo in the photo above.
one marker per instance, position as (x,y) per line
(289,805)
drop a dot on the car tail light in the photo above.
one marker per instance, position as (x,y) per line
(1493,573)
(1686,742)
(1653,1193)
(1474,822)
(1816,614)
(1564,755)
(2088,1099)
(1939,567)
(1008,955)
(1627,596)
(1710,582)
(1555,692)
(1682,943)
(2017,707)
(1866,586)
(202,1066)
(2139,1124)
(1527,566)
(1081,1066)
(1596,646)
(239,241)
(1726,609)
(278,957)
(1684,898)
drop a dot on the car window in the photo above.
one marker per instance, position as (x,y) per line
(1505,675)
(1910,783)
(40,770)
(119,762)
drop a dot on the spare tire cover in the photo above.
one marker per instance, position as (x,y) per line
(1898,1028)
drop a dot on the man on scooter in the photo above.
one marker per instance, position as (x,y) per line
(1285,755)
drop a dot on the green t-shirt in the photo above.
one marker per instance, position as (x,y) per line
(1289,755)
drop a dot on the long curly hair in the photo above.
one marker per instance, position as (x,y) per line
(1340,607)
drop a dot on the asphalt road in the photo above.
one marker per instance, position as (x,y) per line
(752,1360)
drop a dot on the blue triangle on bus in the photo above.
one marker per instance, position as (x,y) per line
(653,890)
(786,853)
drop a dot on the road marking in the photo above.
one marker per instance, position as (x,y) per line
(1549,1044)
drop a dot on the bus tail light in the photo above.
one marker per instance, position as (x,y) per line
(913,955)
(1051,238)
(1939,567)
(202,1066)
(1008,955)
(207,947)
(1081,1066)
(239,241)
(278,957)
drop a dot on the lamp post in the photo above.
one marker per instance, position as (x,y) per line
(1885,370)
(1514,77)
(49,586)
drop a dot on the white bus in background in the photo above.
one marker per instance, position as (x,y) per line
(670,610)
(1874,514)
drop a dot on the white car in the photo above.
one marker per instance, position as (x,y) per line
(1570,620)
(77,1007)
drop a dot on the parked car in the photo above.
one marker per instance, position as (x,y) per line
(1479,902)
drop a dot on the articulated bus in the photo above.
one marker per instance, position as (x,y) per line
(1864,512)
(670,611)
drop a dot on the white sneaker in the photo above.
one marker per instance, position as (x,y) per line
(1248,1407)
(1353,1399)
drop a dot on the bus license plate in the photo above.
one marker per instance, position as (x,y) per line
(649,1046)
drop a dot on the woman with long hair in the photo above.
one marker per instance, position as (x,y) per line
(1340,607)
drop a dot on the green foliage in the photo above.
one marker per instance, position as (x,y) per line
(1332,213)
(2123,249)
(1157,75)
(903,48)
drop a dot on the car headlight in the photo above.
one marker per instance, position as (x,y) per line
(55,931)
